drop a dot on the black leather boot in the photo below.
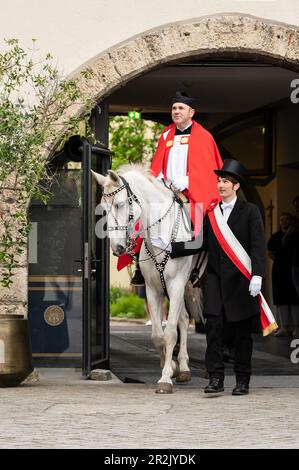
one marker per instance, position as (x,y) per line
(241,388)
(137,279)
(215,385)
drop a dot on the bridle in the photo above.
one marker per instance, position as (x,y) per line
(131,235)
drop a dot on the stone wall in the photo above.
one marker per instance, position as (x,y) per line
(13,300)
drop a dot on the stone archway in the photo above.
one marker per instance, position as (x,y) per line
(231,35)
(234,36)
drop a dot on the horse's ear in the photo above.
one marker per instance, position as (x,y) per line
(114,177)
(100,179)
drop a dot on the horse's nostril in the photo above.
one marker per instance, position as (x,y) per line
(120,249)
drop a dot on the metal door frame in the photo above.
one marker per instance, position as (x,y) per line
(97,262)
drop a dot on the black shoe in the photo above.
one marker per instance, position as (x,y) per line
(137,279)
(241,389)
(215,385)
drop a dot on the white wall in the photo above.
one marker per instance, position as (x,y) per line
(118,278)
(75,31)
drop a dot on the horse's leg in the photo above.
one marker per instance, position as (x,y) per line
(183,358)
(170,338)
(154,300)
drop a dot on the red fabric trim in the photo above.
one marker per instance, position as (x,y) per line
(263,317)
(126,259)
(225,246)
(158,163)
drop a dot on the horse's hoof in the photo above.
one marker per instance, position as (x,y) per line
(164,387)
(184,376)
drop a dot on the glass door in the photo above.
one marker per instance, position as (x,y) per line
(55,282)
(95,265)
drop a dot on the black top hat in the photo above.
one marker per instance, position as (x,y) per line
(183,97)
(233,168)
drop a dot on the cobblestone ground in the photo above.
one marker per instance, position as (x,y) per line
(69,412)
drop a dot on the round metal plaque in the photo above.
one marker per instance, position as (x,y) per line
(54,315)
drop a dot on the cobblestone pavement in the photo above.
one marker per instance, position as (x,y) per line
(62,410)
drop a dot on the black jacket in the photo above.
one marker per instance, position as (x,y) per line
(226,286)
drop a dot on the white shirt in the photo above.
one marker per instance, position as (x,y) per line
(227,207)
(177,160)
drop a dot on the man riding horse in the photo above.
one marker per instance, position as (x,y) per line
(185,160)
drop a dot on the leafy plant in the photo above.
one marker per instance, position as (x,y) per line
(133,140)
(124,304)
(34,101)
(117,292)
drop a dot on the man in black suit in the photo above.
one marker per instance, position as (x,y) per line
(229,297)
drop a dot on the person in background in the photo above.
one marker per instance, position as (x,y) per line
(280,249)
(295,248)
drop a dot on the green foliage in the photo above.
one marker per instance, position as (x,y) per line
(117,292)
(33,101)
(133,140)
(124,304)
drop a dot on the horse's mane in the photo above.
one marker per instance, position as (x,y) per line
(143,170)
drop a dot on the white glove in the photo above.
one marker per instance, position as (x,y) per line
(181,183)
(255,285)
(161,242)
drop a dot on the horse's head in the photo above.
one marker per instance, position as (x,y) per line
(117,201)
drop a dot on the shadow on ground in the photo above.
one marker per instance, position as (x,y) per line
(134,360)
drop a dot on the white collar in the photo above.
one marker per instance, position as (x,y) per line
(230,203)
(182,130)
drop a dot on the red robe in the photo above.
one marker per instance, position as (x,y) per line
(203,158)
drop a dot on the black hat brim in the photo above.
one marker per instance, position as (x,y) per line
(239,178)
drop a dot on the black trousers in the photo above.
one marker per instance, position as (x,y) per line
(242,342)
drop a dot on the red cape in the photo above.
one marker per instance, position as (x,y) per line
(203,159)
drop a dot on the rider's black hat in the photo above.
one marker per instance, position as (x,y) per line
(183,97)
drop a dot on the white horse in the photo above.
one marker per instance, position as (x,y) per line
(132,195)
